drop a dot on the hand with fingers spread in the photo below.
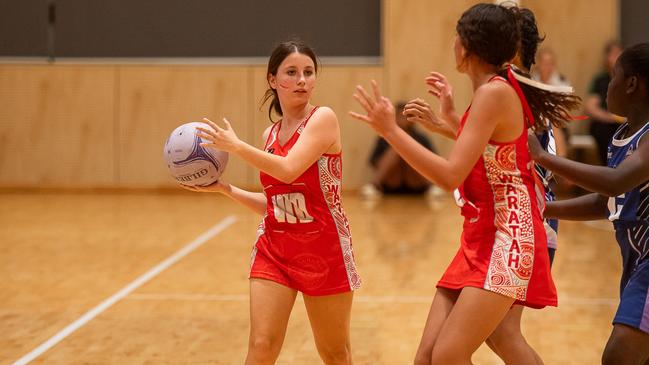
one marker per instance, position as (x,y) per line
(380,111)
(442,90)
(223,139)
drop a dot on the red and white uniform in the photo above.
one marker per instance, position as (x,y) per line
(503,245)
(304,241)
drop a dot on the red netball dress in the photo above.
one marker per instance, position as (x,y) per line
(304,241)
(503,245)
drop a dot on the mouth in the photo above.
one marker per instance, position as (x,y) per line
(300,91)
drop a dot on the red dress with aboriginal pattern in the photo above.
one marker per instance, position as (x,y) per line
(503,245)
(304,241)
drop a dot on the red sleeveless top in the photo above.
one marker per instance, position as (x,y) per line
(503,244)
(305,231)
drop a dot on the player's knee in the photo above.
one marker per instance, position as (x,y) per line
(339,355)
(449,355)
(264,347)
(505,337)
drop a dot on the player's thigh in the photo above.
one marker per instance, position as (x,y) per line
(270,307)
(330,316)
(475,315)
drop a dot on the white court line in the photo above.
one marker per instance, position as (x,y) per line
(372,299)
(88,316)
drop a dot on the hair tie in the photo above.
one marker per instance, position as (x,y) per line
(539,85)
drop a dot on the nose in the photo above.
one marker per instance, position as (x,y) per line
(302,79)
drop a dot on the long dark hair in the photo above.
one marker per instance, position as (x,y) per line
(530,37)
(635,62)
(494,33)
(278,55)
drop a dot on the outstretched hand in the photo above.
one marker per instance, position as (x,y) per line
(380,111)
(223,139)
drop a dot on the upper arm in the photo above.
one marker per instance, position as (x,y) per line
(318,137)
(490,109)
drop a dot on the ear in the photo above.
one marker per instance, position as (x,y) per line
(272,81)
(631,84)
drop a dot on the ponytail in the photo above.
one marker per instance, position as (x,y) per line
(542,103)
(274,103)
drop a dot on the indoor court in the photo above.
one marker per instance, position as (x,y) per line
(104,259)
(64,254)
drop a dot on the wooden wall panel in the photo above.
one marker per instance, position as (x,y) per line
(106,125)
(56,126)
(155,100)
(419,38)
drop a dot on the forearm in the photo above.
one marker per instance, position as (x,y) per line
(275,166)
(433,167)
(598,179)
(447,130)
(594,111)
(453,120)
(583,208)
(252,200)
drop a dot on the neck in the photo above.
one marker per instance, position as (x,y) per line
(638,116)
(480,73)
(295,113)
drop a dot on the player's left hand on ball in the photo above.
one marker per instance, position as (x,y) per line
(219,186)
(224,139)
(380,111)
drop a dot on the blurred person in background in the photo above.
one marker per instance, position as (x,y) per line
(602,123)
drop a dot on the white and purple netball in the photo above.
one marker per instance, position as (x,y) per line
(188,162)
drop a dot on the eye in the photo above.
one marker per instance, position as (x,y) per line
(308,72)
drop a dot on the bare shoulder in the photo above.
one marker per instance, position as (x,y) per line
(324,116)
(495,93)
(326,113)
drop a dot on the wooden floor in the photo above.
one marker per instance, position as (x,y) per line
(62,255)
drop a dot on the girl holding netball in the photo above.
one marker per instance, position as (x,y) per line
(503,256)
(304,241)
(621,193)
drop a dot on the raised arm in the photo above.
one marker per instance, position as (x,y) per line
(320,135)
(633,171)
(446,173)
